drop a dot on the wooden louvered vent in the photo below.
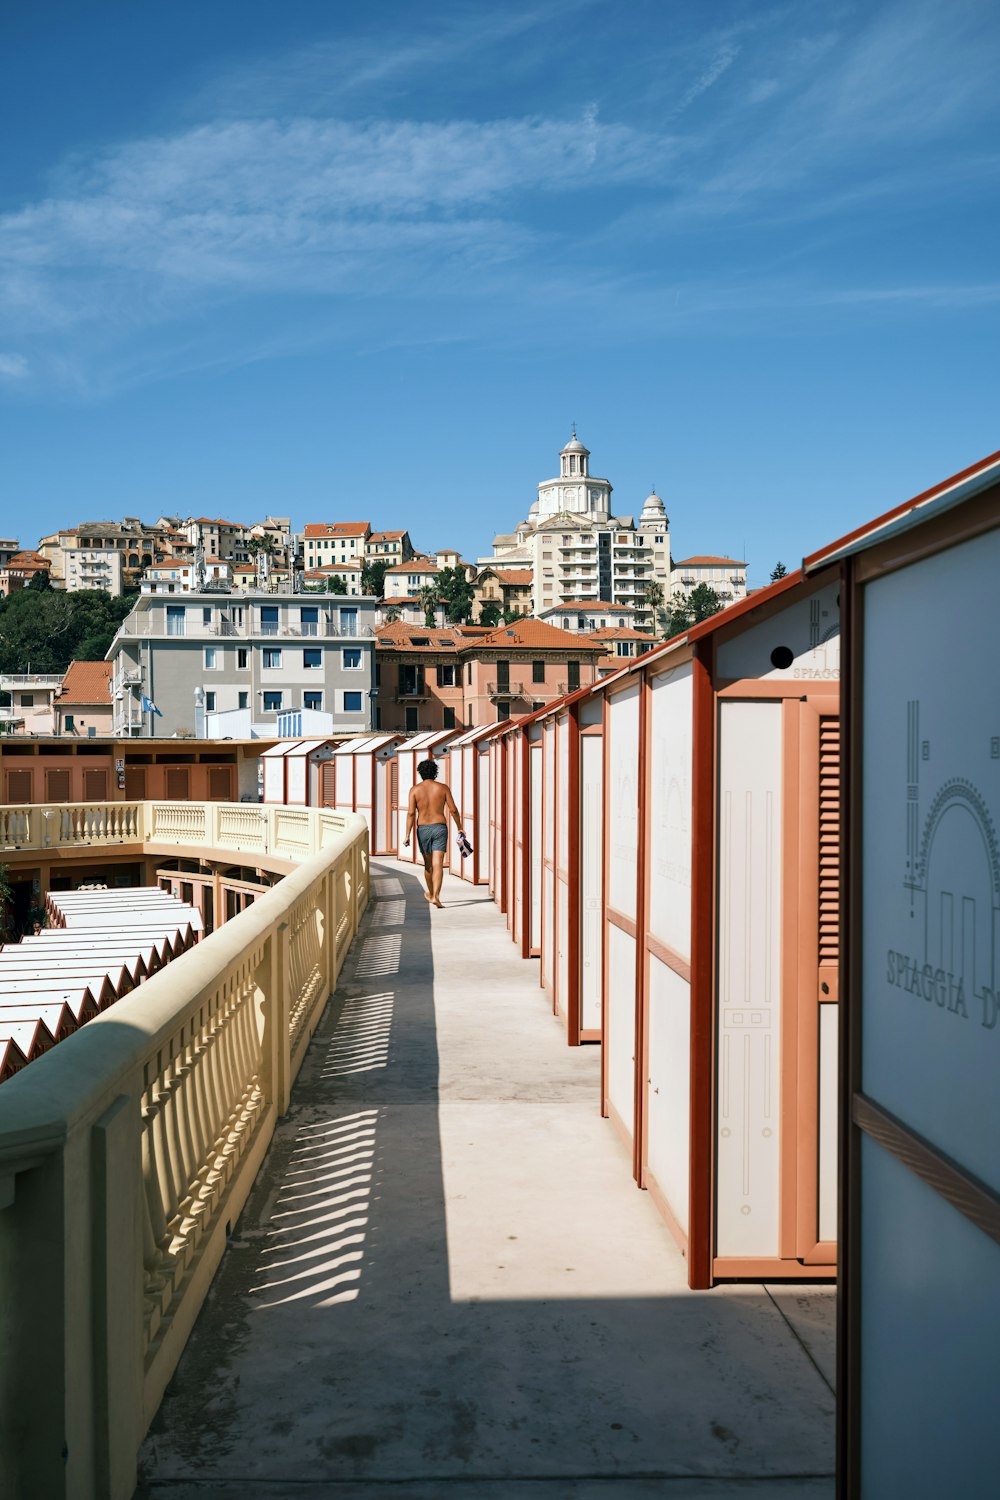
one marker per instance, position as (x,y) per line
(829,841)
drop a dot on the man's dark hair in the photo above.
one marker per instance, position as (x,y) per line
(428,769)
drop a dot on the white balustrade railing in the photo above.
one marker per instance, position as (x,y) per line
(128,1151)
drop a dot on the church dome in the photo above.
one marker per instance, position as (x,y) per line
(575,446)
(654,512)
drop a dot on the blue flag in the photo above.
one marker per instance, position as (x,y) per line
(149,707)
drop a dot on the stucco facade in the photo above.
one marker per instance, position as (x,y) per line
(267,653)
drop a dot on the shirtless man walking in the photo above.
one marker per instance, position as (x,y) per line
(428,808)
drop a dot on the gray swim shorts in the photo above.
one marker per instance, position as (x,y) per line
(433,837)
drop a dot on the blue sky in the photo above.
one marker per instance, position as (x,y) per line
(346,262)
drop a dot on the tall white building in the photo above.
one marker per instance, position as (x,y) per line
(579,552)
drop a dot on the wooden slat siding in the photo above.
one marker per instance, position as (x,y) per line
(829,841)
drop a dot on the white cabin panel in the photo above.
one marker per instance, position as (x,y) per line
(619,1039)
(749,978)
(669,1108)
(591,878)
(671,730)
(623,799)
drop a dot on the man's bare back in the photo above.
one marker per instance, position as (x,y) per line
(433,803)
(429,808)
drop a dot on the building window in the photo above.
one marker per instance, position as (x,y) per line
(242,658)
(27,700)
(312,656)
(573,668)
(210,703)
(352,658)
(271,657)
(68,722)
(211,658)
(503,712)
(566,624)
(352,703)
(269,619)
(243,700)
(538,671)
(449,718)
(469,676)
(446,675)
(272,702)
(313,700)
(348,622)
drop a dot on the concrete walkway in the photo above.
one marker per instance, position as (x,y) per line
(445,1283)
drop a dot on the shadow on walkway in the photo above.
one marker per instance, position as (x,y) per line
(444,1283)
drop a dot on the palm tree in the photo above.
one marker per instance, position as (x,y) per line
(428,602)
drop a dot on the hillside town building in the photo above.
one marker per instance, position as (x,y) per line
(460,677)
(259,654)
(19,570)
(577,549)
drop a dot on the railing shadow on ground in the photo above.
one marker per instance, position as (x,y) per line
(128,1151)
(333,1355)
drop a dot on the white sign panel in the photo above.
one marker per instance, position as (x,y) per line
(931,843)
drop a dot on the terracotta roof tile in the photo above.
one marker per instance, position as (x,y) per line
(707,562)
(338,528)
(514,575)
(619,633)
(598,605)
(87,682)
(535,634)
(415,565)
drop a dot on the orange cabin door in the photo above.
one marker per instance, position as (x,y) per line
(812,988)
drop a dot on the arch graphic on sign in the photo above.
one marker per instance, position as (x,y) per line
(961,791)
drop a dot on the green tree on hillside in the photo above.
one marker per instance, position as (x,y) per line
(373,578)
(685,610)
(46,629)
(458,594)
(778,571)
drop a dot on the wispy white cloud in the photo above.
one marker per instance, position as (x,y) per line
(13,366)
(244,206)
(132,254)
(719,64)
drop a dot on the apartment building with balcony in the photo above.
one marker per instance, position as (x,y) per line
(327,543)
(138,544)
(522,666)
(263,653)
(463,676)
(581,616)
(724,575)
(95,568)
(319,579)
(181,575)
(227,541)
(19,570)
(405,580)
(389,547)
(578,550)
(31,695)
(509,589)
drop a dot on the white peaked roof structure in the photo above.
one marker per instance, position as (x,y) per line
(98,947)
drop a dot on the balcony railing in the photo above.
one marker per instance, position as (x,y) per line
(506,690)
(128,1150)
(150,629)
